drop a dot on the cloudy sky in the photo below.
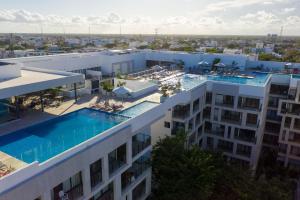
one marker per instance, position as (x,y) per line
(250,17)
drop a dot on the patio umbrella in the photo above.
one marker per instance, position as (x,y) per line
(122,91)
(220,65)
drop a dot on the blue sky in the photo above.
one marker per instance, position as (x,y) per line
(251,17)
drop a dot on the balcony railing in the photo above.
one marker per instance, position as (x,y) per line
(134,172)
(225,148)
(139,146)
(246,138)
(114,165)
(243,153)
(234,120)
(108,195)
(96,178)
(75,192)
(138,192)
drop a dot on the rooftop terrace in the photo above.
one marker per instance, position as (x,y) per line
(48,139)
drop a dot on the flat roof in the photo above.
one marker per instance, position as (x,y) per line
(33,80)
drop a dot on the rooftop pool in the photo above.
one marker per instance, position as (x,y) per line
(138,109)
(48,139)
(190,81)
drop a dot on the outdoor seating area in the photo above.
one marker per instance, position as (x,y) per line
(8,164)
(106,106)
(4,169)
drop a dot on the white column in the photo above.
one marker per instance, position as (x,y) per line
(105,169)
(46,195)
(86,178)
(117,187)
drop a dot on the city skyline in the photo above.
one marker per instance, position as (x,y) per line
(233,17)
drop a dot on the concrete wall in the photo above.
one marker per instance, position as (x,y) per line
(10,71)
(269,65)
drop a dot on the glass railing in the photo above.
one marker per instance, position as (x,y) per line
(139,145)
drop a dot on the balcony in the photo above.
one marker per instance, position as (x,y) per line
(208,98)
(225,146)
(139,143)
(273,102)
(72,188)
(206,113)
(294,137)
(248,103)
(297,124)
(96,173)
(245,135)
(243,150)
(295,151)
(181,112)
(224,100)
(251,120)
(196,106)
(270,140)
(135,171)
(117,159)
(231,117)
(139,191)
(272,128)
(272,115)
(290,108)
(281,90)
(218,130)
(106,193)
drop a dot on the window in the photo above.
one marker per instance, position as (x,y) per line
(96,173)
(243,150)
(251,119)
(117,158)
(229,132)
(71,188)
(167,124)
(107,193)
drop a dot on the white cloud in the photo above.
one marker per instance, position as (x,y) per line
(229,4)
(288,10)
(261,18)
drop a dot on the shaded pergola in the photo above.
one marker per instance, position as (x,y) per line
(34,80)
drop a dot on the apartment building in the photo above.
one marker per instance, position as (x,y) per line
(86,154)
(94,155)
(222,115)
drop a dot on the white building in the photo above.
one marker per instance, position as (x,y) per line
(90,154)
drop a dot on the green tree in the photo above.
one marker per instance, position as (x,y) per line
(193,174)
(108,88)
(181,173)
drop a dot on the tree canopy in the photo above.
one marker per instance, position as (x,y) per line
(191,173)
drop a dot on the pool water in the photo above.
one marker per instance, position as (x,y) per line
(48,139)
(138,109)
(189,81)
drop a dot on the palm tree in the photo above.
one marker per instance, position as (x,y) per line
(108,88)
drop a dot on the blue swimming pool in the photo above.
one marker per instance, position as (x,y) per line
(138,109)
(48,139)
(189,81)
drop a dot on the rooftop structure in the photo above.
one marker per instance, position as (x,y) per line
(91,154)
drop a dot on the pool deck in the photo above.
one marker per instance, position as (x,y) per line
(33,117)
(8,164)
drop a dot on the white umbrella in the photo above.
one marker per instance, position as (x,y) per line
(220,65)
(122,90)
(203,63)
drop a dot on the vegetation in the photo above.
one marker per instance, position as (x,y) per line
(213,50)
(194,174)
(291,55)
(215,61)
